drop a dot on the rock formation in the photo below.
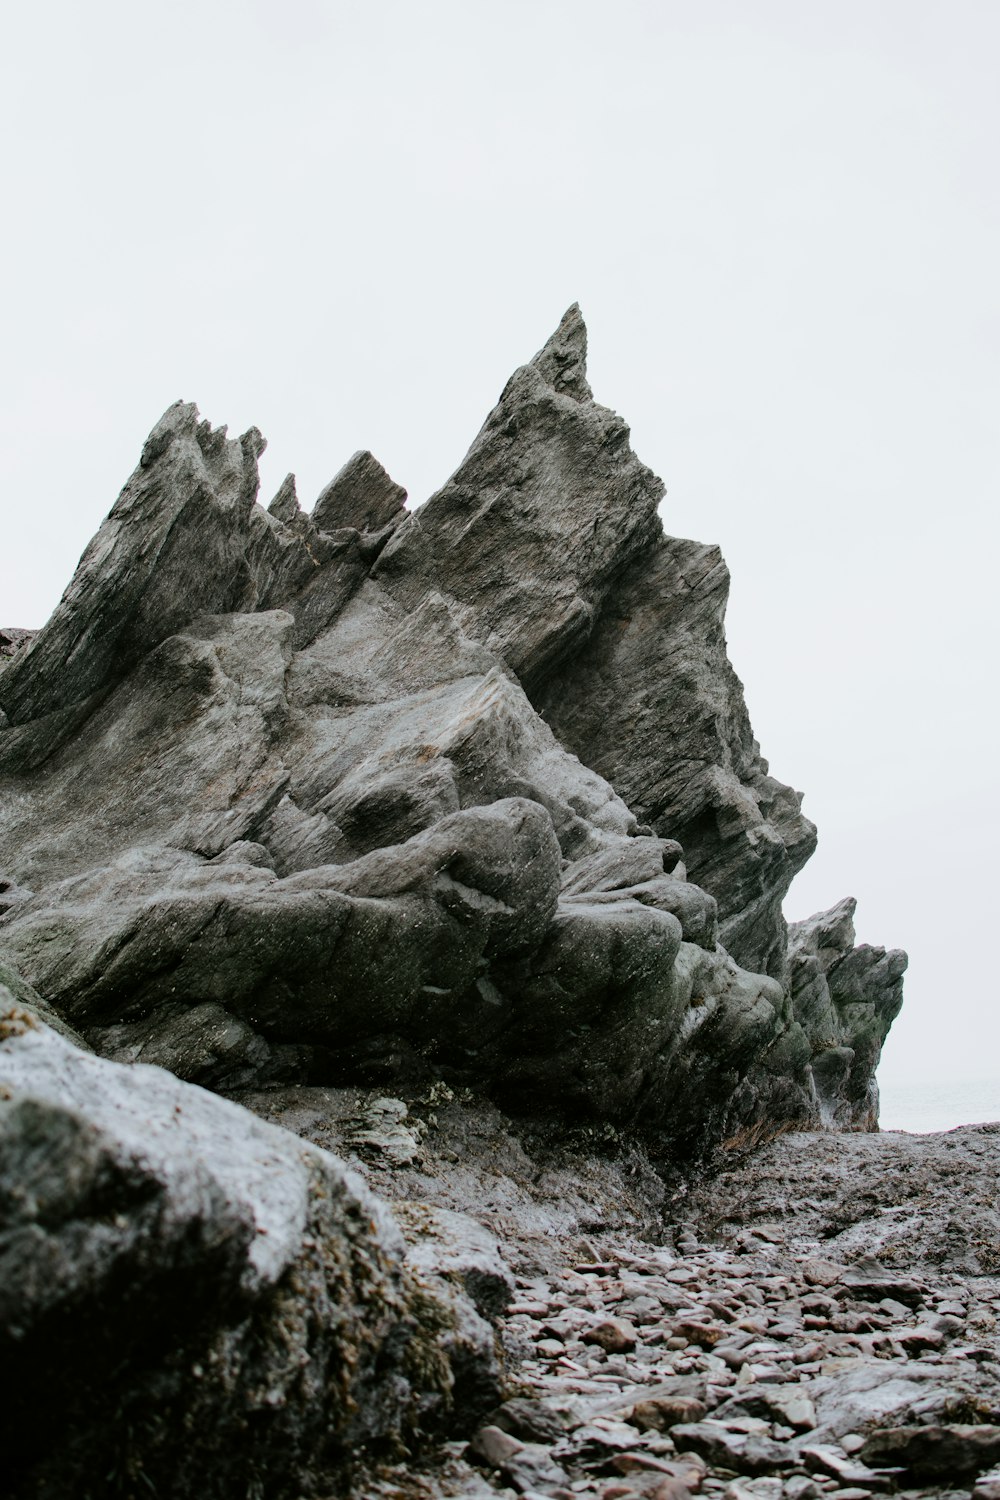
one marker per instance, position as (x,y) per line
(468,791)
(456,802)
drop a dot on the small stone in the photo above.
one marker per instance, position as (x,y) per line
(801,1487)
(614,1336)
(871,1281)
(532,1421)
(723,1447)
(819,1272)
(835,1462)
(916,1340)
(495,1446)
(663,1412)
(706,1335)
(671,1489)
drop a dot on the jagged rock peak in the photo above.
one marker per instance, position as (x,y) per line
(285,505)
(361,495)
(562,361)
(548,506)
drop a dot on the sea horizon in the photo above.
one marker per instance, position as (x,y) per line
(926,1106)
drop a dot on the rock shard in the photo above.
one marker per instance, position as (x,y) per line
(468,791)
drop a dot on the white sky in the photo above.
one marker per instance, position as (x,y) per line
(349,222)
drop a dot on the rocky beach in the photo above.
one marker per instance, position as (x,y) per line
(409,1083)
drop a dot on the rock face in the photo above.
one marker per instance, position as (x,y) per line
(466,792)
(12,641)
(197,1300)
(846,998)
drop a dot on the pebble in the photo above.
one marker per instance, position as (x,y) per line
(751,1372)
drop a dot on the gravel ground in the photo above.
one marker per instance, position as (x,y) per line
(817,1319)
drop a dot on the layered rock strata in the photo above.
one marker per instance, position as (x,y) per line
(468,791)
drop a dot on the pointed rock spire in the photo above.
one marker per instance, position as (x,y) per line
(362,496)
(563,360)
(285,505)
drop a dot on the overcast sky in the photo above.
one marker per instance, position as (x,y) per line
(348,223)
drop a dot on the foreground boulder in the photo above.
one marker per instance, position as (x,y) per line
(196,1302)
(468,792)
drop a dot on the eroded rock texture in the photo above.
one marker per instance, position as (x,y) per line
(468,791)
(196,1302)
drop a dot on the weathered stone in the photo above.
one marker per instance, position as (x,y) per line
(845,998)
(946,1451)
(664,1412)
(525,1465)
(190,1293)
(360,496)
(724,1447)
(455,1247)
(824,1458)
(614,1335)
(353,846)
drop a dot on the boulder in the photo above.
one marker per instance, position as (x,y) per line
(194,1296)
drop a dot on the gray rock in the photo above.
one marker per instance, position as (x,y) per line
(823,1458)
(407,791)
(525,1465)
(17,995)
(845,998)
(529,532)
(385,1128)
(654,673)
(729,1449)
(887,1208)
(13,640)
(453,1246)
(199,1043)
(361,496)
(949,1451)
(189,1293)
